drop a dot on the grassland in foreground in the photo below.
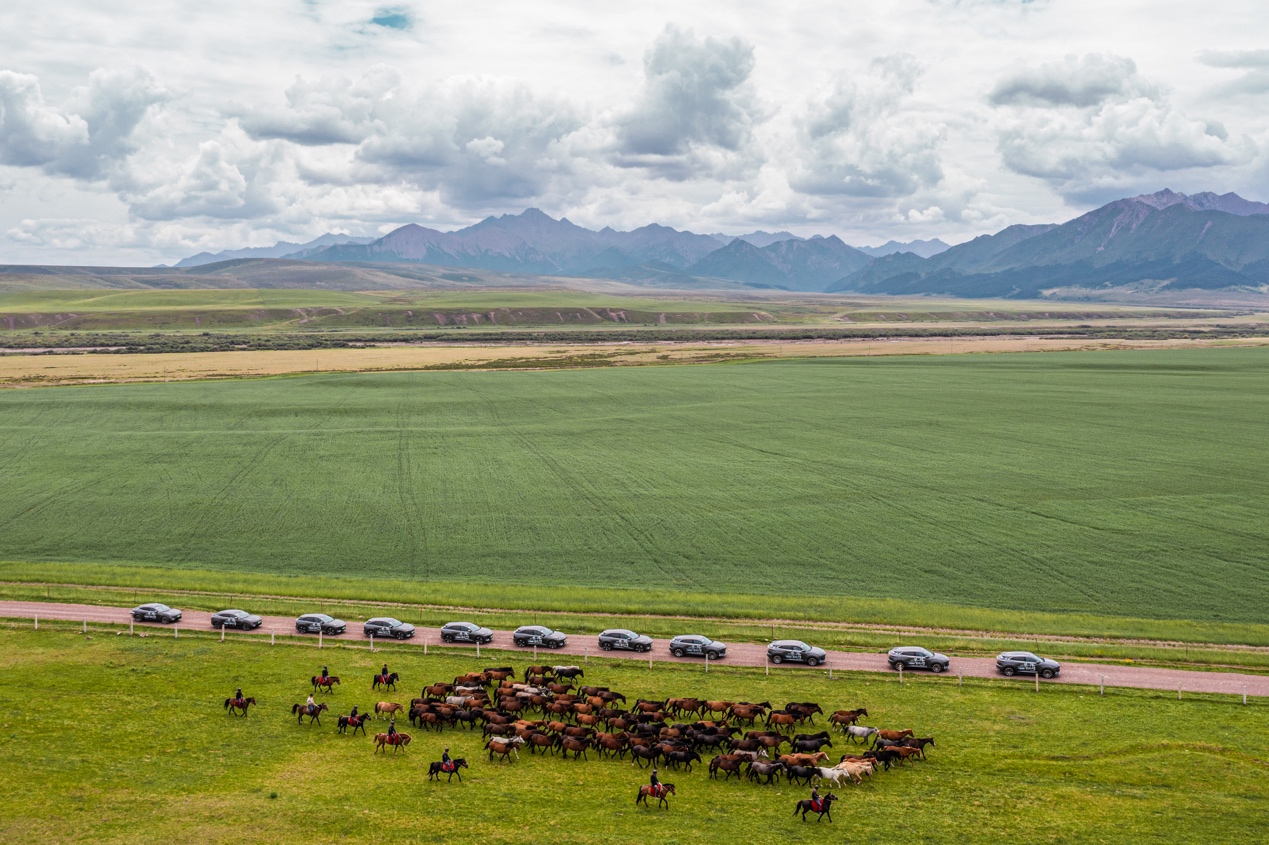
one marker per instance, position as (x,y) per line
(119,739)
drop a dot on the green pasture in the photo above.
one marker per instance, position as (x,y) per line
(118,739)
(1125,484)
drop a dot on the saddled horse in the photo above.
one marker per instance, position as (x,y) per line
(435,770)
(388,681)
(314,712)
(398,741)
(327,683)
(357,723)
(659,793)
(825,807)
(233,705)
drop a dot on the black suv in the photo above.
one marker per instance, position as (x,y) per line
(695,645)
(465,632)
(1026,663)
(236,619)
(156,613)
(312,623)
(623,638)
(386,626)
(527,635)
(915,657)
(795,651)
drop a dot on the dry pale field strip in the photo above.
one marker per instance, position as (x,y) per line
(90,368)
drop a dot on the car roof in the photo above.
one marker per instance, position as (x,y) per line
(387,620)
(790,643)
(233,613)
(620,631)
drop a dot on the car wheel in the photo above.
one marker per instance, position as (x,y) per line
(1009,671)
(1047,674)
(677,652)
(898,664)
(606,646)
(400,635)
(775,658)
(445,638)
(557,645)
(937,667)
(641,649)
(812,661)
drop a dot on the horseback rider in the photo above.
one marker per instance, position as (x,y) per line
(311,704)
(656,784)
(353,714)
(325,673)
(447,765)
(392,729)
(816,801)
(238,696)
(384,674)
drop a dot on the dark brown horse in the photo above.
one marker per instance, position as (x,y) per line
(233,705)
(435,770)
(327,683)
(842,718)
(313,712)
(666,790)
(357,723)
(388,681)
(808,806)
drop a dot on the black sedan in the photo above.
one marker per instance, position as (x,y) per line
(236,619)
(1026,663)
(386,626)
(795,651)
(465,632)
(312,623)
(915,657)
(156,613)
(527,635)
(624,639)
(695,645)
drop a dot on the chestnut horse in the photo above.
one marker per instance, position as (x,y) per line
(327,683)
(314,712)
(386,708)
(666,790)
(233,705)
(398,741)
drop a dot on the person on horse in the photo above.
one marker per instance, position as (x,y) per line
(392,729)
(817,803)
(656,784)
(238,696)
(447,765)
(325,673)
(310,703)
(384,673)
(353,714)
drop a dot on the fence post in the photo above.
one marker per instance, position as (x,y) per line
(37,623)
(768,669)
(372,642)
(477,651)
(1178,692)
(706,663)
(1244,695)
(649,662)
(1037,681)
(900,673)
(176,632)
(425,646)
(273,633)
(960,679)
(585,654)
(535,654)
(85,626)
(222,633)
(131,622)
(1102,691)
(319,637)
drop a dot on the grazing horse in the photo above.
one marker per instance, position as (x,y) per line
(313,712)
(327,683)
(387,708)
(398,741)
(233,705)
(504,747)
(357,723)
(660,794)
(389,681)
(825,807)
(435,770)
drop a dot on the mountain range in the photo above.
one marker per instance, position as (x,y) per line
(1164,240)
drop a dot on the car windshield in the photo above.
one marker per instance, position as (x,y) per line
(392,622)
(159,607)
(322,617)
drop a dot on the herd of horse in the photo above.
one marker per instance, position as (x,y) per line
(743,739)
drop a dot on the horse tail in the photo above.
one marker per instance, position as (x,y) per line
(227,700)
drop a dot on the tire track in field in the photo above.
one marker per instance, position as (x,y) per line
(407,492)
(580,484)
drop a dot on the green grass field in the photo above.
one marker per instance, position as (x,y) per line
(119,739)
(1123,484)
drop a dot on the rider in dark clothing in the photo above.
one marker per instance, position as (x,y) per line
(353,714)
(384,673)
(239,696)
(815,797)
(392,727)
(656,783)
(325,674)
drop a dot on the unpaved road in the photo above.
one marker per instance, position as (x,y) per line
(742,654)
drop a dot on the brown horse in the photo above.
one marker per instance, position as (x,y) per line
(504,747)
(435,770)
(327,683)
(893,736)
(357,723)
(842,718)
(233,705)
(387,708)
(729,763)
(666,790)
(314,712)
(388,681)
(808,806)
(398,741)
(574,744)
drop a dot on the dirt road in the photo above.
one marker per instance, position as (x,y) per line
(742,654)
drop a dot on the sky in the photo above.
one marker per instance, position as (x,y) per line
(139,133)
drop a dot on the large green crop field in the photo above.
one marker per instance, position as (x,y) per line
(1121,483)
(124,740)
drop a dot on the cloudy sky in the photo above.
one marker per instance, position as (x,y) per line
(137,133)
